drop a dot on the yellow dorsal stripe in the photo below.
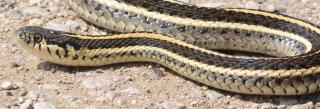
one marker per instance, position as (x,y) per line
(295,21)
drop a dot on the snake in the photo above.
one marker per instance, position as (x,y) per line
(189,40)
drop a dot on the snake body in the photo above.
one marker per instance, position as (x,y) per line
(179,37)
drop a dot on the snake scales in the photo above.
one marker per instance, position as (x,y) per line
(179,37)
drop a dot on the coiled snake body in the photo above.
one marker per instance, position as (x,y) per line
(179,37)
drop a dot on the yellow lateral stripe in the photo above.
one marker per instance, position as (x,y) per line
(211,68)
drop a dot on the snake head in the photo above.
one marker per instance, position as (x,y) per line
(31,35)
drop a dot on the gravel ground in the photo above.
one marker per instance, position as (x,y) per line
(27,82)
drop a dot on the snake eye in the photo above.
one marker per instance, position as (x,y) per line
(37,38)
(20,35)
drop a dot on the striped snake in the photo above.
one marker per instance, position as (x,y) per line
(187,39)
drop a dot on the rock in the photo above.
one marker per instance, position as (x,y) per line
(83,25)
(14,65)
(284,1)
(35,2)
(50,87)
(252,5)
(195,93)
(279,107)
(35,22)
(43,105)
(317,105)
(158,72)
(281,10)
(14,14)
(133,102)
(287,100)
(99,81)
(93,107)
(35,11)
(112,95)
(6,85)
(131,91)
(27,104)
(9,2)
(36,94)
(73,101)
(213,95)
(270,8)
(194,104)
(211,5)
(8,93)
(121,102)
(184,1)
(109,96)
(308,105)
(66,81)
(20,100)
(57,26)
(53,9)
(172,105)
(75,104)
(72,24)
(70,98)
(23,92)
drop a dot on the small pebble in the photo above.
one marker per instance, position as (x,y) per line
(14,65)
(133,102)
(35,22)
(158,73)
(54,9)
(281,10)
(184,1)
(270,8)
(211,5)
(172,105)
(35,2)
(27,104)
(83,25)
(308,105)
(213,95)
(99,81)
(72,24)
(6,85)
(93,107)
(20,100)
(43,105)
(121,102)
(9,2)
(14,14)
(75,104)
(131,91)
(36,94)
(66,82)
(252,5)
(195,93)
(194,103)
(70,98)
(50,86)
(35,11)
(112,95)
(22,92)
(57,26)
